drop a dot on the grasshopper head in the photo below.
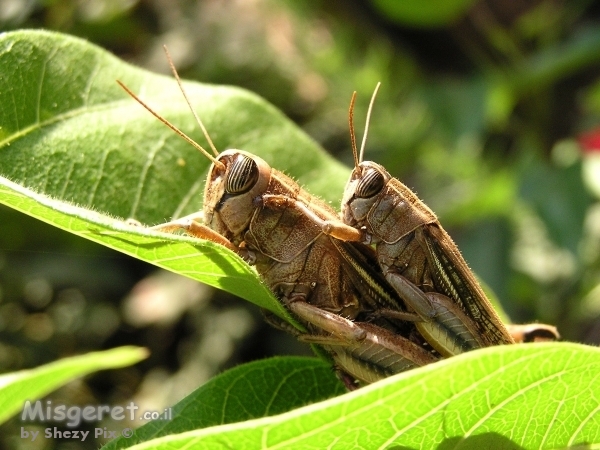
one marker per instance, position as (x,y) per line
(367,181)
(386,208)
(231,190)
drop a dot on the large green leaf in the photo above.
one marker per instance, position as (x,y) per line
(68,133)
(258,389)
(18,387)
(200,260)
(519,396)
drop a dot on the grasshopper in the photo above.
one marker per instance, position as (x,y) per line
(321,280)
(271,222)
(451,310)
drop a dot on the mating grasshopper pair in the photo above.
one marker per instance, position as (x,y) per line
(383,290)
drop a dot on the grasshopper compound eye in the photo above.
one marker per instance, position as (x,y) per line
(370,184)
(243,174)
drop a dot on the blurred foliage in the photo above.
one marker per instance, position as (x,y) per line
(489,109)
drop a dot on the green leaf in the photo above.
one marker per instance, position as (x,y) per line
(258,389)
(578,51)
(559,197)
(69,132)
(518,396)
(201,260)
(18,387)
(432,13)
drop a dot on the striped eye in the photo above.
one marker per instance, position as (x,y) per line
(242,175)
(370,183)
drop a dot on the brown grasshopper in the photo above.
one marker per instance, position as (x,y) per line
(315,276)
(451,309)
(324,282)
(253,210)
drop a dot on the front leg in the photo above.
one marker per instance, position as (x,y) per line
(192,226)
(334,228)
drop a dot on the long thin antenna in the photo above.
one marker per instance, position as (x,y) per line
(364,141)
(176,75)
(351,125)
(172,127)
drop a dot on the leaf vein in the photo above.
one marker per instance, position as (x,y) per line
(192,192)
(41,84)
(94,189)
(516,394)
(88,87)
(587,419)
(144,174)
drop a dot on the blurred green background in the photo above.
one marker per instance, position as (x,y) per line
(489,110)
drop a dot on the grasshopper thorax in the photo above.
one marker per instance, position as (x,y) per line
(231,189)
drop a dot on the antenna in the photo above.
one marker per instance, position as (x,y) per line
(364,141)
(351,125)
(171,126)
(176,75)
(215,161)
